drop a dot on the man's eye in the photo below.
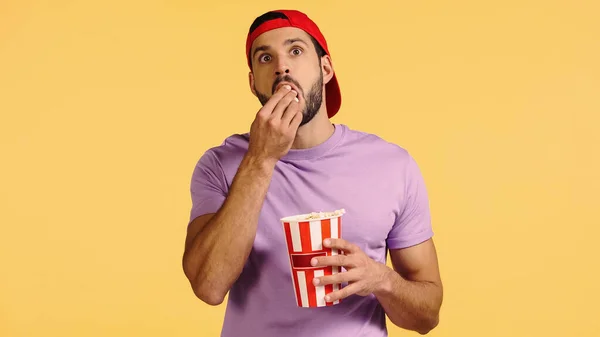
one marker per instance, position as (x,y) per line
(296,51)
(265,58)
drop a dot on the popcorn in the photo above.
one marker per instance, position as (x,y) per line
(320,215)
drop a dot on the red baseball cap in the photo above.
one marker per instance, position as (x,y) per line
(294,18)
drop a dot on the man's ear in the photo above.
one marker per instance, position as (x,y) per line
(327,68)
(251,82)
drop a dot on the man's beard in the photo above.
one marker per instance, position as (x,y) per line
(313,99)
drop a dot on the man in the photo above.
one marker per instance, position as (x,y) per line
(295,161)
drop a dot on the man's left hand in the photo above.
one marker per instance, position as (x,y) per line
(363,274)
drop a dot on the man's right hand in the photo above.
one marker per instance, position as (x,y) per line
(274,129)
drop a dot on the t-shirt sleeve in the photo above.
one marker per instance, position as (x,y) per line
(413,223)
(208,187)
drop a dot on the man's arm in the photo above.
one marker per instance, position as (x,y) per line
(412,294)
(209,262)
(217,246)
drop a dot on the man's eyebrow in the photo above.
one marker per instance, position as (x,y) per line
(260,48)
(286,42)
(294,40)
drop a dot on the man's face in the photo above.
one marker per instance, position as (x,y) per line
(287,56)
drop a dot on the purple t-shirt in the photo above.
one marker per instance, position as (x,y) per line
(378,184)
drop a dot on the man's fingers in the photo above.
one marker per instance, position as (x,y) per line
(290,112)
(345,277)
(268,108)
(283,104)
(341,244)
(350,289)
(296,120)
(335,260)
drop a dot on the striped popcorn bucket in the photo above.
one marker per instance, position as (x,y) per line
(304,240)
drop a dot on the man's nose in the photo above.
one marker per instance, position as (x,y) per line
(282,68)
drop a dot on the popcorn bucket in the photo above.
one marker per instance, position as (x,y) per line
(304,235)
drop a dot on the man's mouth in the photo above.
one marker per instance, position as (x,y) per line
(288,83)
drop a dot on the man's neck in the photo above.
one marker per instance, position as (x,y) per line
(317,131)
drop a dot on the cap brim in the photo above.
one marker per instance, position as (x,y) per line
(333,96)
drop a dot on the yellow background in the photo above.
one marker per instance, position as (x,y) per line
(106,107)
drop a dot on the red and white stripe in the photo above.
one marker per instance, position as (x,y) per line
(304,241)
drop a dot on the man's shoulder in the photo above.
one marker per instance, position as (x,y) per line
(374,144)
(230,152)
(237,142)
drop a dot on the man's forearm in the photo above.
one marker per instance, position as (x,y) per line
(219,251)
(411,305)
